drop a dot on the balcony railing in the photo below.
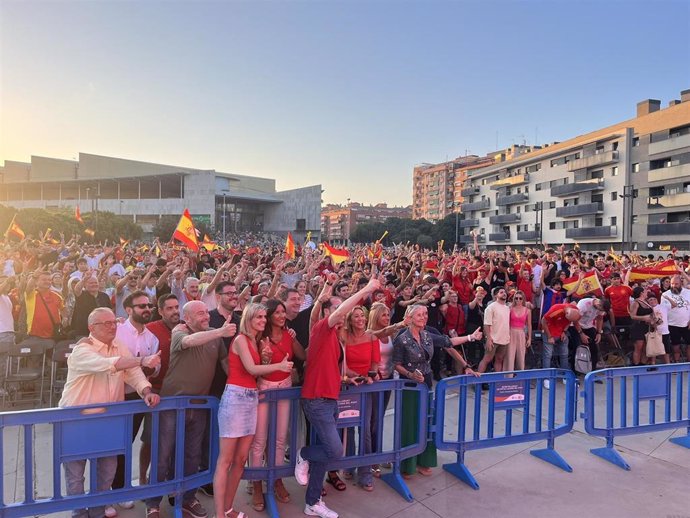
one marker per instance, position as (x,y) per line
(600,159)
(499,236)
(669,201)
(670,144)
(468,239)
(468,223)
(669,173)
(528,235)
(504,218)
(596,184)
(477,205)
(470,191)
(669,229)
(589,232)
(580,210)
(510,181)
(511,199)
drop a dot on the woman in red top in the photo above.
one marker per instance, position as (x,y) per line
(362,357)
(238,406)
(282,345)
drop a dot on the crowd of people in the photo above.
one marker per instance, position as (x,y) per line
(155,320)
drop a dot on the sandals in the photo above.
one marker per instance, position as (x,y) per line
(258,503)
(376,471)
(280,492)
(425,472)
(368,487)
(240,514)
(334,480)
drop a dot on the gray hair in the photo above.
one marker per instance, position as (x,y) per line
(92,316)
(188,281)
(411,310)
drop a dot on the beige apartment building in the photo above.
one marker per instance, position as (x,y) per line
(338,221)
(626,185)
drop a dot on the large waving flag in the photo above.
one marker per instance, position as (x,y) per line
(589,286)
(77,215)
(337,255)
(289,247)
(662,269)
(185,231)
(14,230)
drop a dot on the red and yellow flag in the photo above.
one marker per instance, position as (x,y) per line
(289,247)
(89,232)
(123,242)
(209,244)
(185,231)
(77,215)
(590,285)
(662,269)
(337,255)
(14,230)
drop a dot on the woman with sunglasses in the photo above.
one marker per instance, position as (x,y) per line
(520,333)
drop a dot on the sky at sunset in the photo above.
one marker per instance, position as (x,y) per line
(349,94)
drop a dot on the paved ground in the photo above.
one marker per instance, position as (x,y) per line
(513,482)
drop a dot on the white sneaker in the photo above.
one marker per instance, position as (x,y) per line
(129,504)
(110,511)
(319,509)
(564,381)
(547,385)
(302,476)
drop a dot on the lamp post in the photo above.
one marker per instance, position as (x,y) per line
(456,222)
(224,239)
(629,194)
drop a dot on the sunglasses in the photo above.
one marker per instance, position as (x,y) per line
(143,306)
(517,298)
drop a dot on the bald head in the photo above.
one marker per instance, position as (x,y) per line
(196,315)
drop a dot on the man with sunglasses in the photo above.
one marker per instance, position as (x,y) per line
(141,342)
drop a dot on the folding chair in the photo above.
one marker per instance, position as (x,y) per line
(22,371)
(58,368)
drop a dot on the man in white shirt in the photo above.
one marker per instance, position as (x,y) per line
(97,371)
(496,330)
(678,301)
(592,312)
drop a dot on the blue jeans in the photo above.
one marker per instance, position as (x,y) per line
(561,348)
(322,413)
(194,430)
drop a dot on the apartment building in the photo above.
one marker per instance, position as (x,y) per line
(436,187)
(626,185)
(338,221)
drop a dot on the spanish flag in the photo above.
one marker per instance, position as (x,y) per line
(337,255)
(14,230)
(89,232)
(662,269)
(590,285)
(185,231)
(289,247)
(77,215)
(209,244)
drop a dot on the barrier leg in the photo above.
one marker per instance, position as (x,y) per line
(462,472)
(552,457)
(271,504)
(610,454)
(681,441)
(396,481)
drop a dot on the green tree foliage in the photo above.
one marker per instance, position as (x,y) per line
(165,227)
(35,222)
(419,231)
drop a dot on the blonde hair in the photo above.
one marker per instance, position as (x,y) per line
(348,318)
(250,312)
(377,308)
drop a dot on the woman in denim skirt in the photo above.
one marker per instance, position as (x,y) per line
(238,406)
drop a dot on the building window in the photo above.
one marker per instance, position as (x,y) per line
(597,174)
(614,220)
(537,187)
(533,168)
(614,171)
(614,196)
(615,146)
(552,204)
(636,142)
(634,219)
(636,168)
(552,225)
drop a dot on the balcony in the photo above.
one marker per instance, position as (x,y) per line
(600,159)
(596,184)
(671,144)
(469,223)
(590,232)
(477,205)
(528,235)
(470,191)
(669,201)
(510,181)
(511,199)
(499,237)
(580,210)
(669,229)
(504,218)
(468,239)
(669,173)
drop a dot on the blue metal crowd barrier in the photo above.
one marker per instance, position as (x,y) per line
(651,384)
(353,403)
(96,431)
(506,394)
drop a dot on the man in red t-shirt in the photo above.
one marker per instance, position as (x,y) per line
(619,294)
(320,392)
(555,323)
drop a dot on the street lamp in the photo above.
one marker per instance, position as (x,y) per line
(456,221)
